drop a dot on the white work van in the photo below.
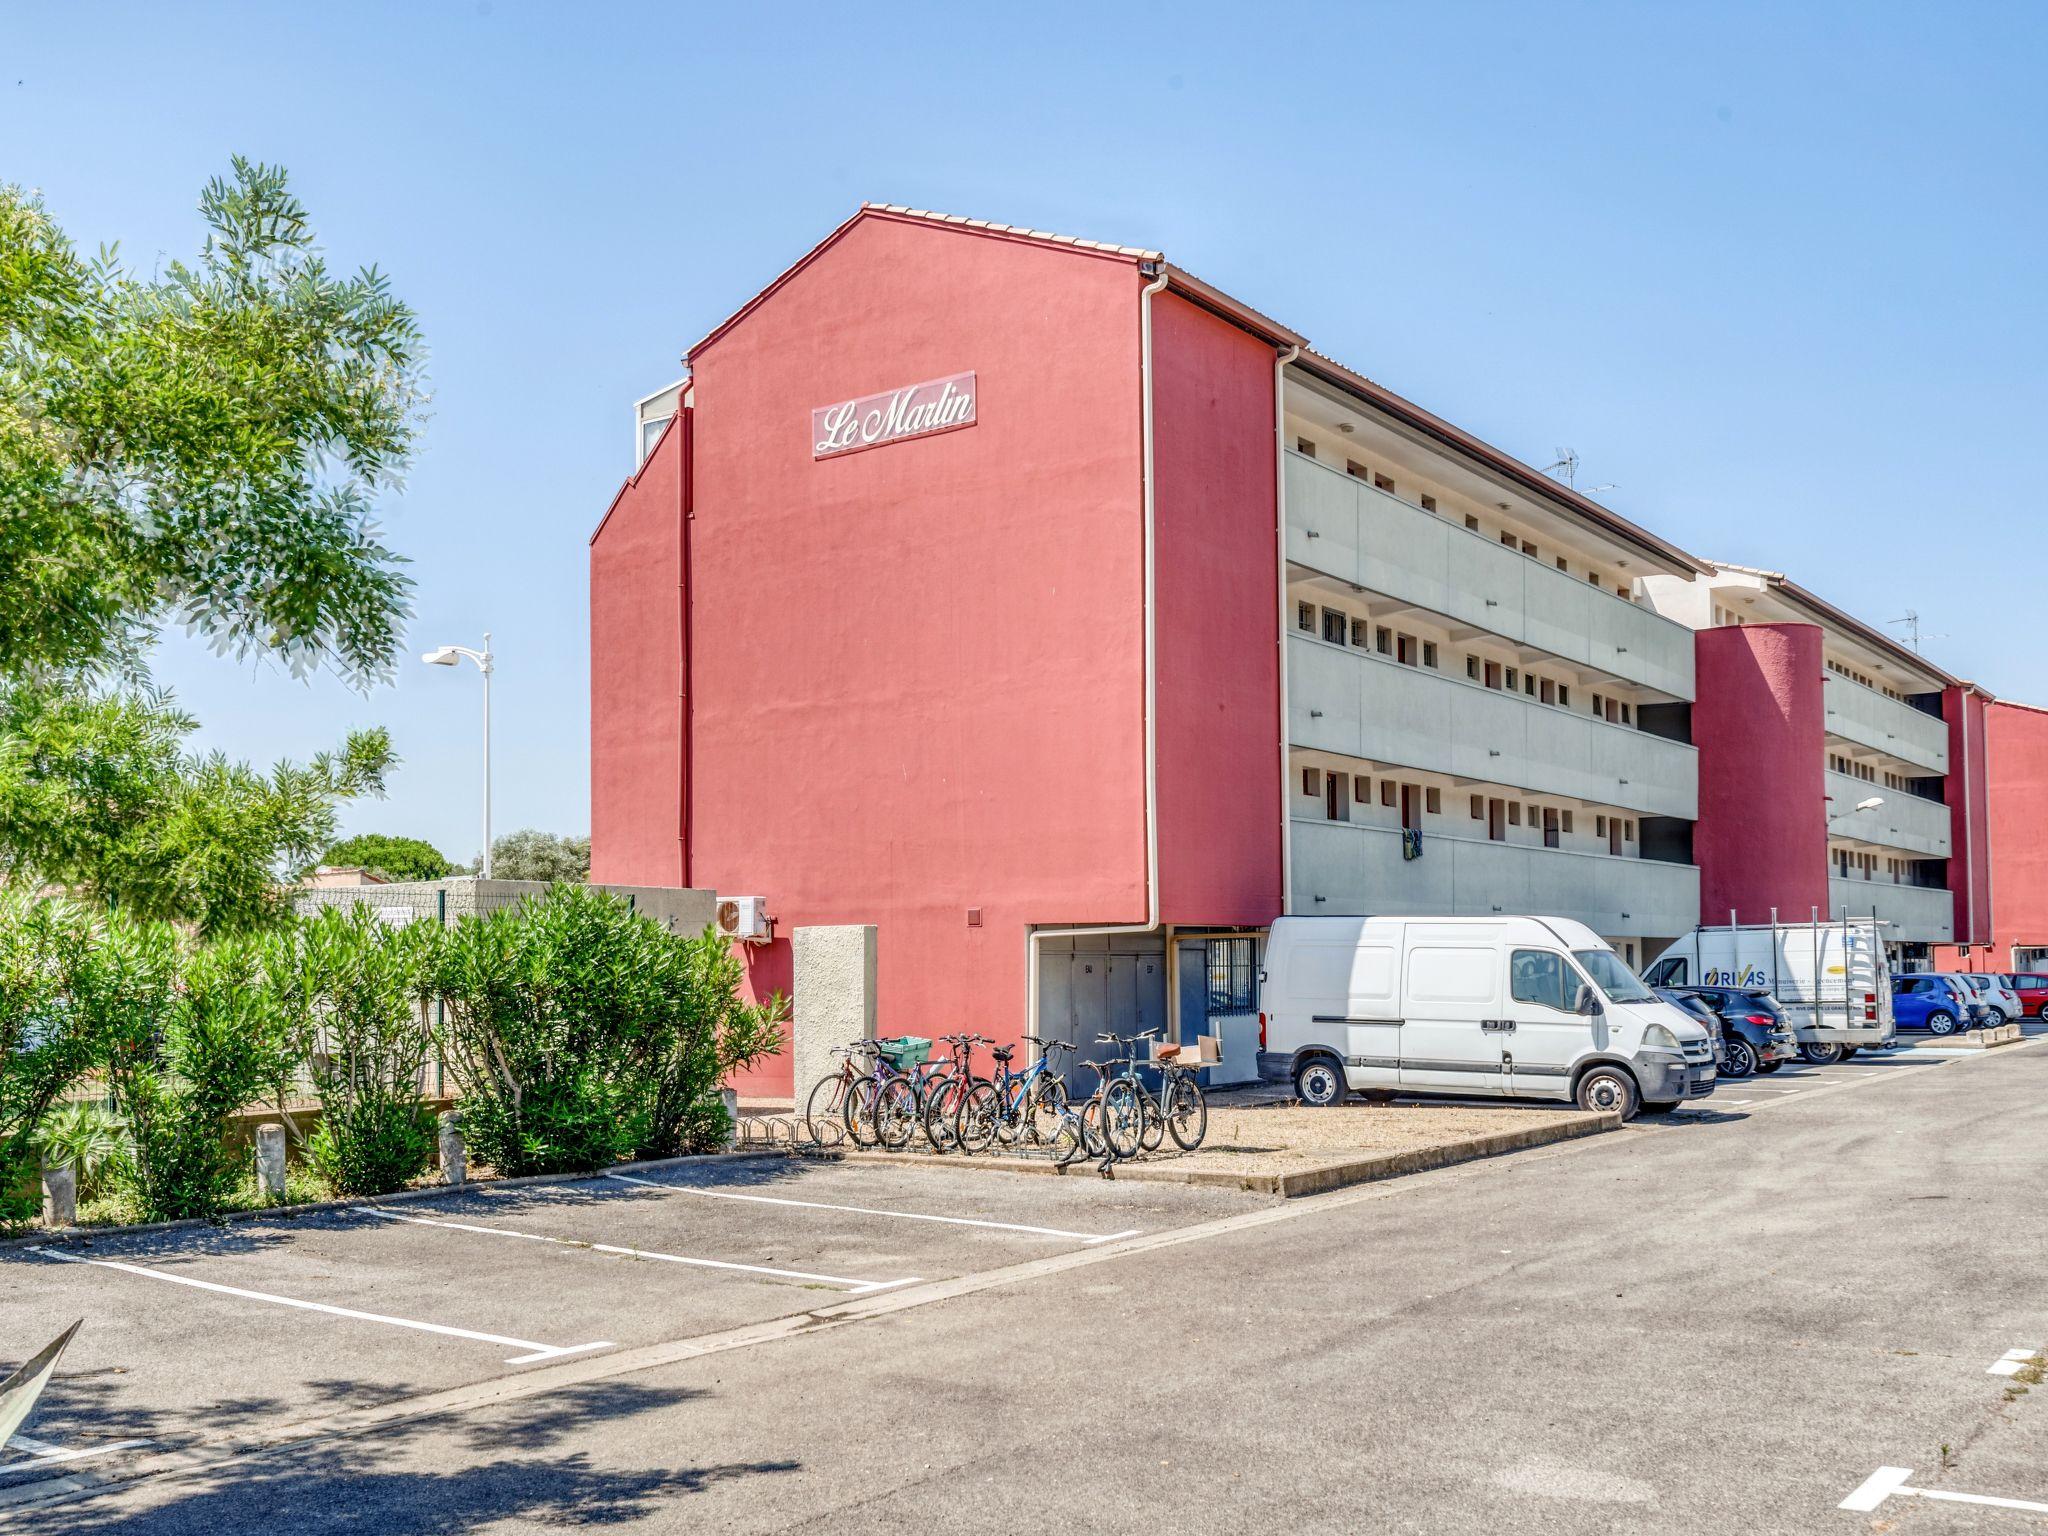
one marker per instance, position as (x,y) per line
(1502,1007)
(1832,978)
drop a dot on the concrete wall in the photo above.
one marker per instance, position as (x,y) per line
(1217,600)
(834,970)
(1762,838)
(917,670)
(1875,720)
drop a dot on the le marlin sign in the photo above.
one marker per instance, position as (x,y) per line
(916,410)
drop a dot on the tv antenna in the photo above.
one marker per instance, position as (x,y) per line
(1568,461)
(1914,635)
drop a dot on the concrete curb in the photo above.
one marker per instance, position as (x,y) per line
(425,1192)
(1338,1173)
(1983,1039)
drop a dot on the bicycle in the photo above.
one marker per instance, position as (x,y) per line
(1013,1106)
(1133,1113)
(826,1105)
(947,1093)
(884,1105)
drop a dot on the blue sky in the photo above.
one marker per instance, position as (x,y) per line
(1774,272)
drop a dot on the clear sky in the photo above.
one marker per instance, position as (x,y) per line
(1775,272)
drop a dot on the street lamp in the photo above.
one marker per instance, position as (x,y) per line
(452,655)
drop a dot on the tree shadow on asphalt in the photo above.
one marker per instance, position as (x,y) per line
(442,1475)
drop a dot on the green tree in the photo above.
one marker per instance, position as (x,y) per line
(98,795)
(395,858)
(199,444)
(530,854)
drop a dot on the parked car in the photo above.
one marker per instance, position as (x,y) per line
(2032,988)
(1934,1002)
(1524,1007)
(1755,1035)
(1832,980)
(2001,1002)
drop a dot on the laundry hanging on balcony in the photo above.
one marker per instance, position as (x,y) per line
(1411,843)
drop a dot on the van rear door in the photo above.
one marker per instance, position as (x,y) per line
(1453,1038)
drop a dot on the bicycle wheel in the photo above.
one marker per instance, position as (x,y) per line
(1122,1121)
(1066,1140)
(1187,1112)
(1090,1116)
(938,1103)
(976,1120)
(895,1114)
(1046,1110)
(825,1106)
(1152,1132)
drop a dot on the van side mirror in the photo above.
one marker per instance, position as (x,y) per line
(1588,1004)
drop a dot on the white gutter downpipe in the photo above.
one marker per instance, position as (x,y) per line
(1151,922)
(1280,363)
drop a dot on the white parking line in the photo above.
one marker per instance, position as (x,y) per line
(531,1350)
(1886,1482)
(854,1287)
(42,1453)
(1085,1238)
(2009,1363)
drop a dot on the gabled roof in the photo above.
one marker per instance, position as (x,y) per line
(1821,608)
(1153,264)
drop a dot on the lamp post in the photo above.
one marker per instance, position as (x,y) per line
(452,655)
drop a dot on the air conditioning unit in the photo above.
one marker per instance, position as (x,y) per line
(746,918)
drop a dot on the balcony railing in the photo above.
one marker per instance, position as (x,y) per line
(1909,822)
(1343,527)
(1876,720)
(1339,867)
(1919,914)
(1359,703)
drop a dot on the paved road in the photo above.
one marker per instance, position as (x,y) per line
(1728,1319)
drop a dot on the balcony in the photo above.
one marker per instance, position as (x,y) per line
(1339,525)
(1358,703)
(1872,719)
(1918,914)
(1360,869)
(1911,823)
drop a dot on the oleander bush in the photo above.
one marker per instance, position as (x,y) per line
(44,1043)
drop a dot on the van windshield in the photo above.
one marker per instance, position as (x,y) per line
(1612,977)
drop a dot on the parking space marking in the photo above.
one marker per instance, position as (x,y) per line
(42,1453)
(1084,1238)
(530,1351)
(2011,1362)
(854,1287)
(1889,1482)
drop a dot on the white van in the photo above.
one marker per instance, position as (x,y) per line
(1832,978)
(1503,1007)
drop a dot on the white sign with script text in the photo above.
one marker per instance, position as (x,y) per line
(916,410)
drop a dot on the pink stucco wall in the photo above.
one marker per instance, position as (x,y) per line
(1761,840)
(1216,586)
(1967,788)
(917,670)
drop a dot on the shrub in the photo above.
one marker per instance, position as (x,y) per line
(580,1034)
(45,1043)
(366,1044)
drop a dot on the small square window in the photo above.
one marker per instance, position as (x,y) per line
(1513,679)
(1471,522)
(1514,813)
(1593,577)
(1429,653)
(1564,696)
(1355,469)
(1625,720)
(1387,791)
(1433,800)
(1472,667)
(1361,789)
(1361,634)
(1561,565)
(1383,640)
(1304,447)
(1383,483)
(1428,502)
(1509,539)
(1311,781)
(1529,684)
(1600,829)
(1529,548)
(1479,807)
(1620,589)
(1566,816)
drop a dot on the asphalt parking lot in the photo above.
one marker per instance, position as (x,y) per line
(213,1334)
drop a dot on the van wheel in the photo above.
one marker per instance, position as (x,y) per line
(1319,1082)
(1849,1051)
(1609,1089)
(1821,1053)
(1941,1022)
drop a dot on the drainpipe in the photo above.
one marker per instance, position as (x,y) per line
(1151,922)
(1280,363)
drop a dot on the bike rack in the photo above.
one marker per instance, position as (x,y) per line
(788,1133)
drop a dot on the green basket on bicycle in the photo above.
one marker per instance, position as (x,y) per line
(905,1051)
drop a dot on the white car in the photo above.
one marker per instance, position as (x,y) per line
(2001,1003)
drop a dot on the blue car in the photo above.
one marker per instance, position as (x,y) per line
(1938,1004)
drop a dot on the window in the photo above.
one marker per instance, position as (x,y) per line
(1428,502)
(1529,684)
(1625,720)
(1630,833)
(1335,625)
(1561,565)
(1511,677)
(1311,781)
(1514,813)
(1404,650)
(1355,469)
(1433,800)
(1361,789)
(1493,674)
(1508,538)
(1529,548)
(1471,522)
(1542,978)
(1478,807)
(1429,653)
(1564,696)
(1532,817)
(1496,821)
(1382,483)
(1600,829)
(1550,827)
(1411,807)
(1337,796)
(1387,791)
(1361,633)
(1620,589)
(1567,818)
(1548,694)
(1233,978)
(1304,447)
(1593,577)
(1472,667)
(1383,640)
(1305,617)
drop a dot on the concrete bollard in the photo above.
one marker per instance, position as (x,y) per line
(270,1161)
(731,1099)
(60,1195)
(454,1155)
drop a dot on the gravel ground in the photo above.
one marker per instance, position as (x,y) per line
(1280,1138)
